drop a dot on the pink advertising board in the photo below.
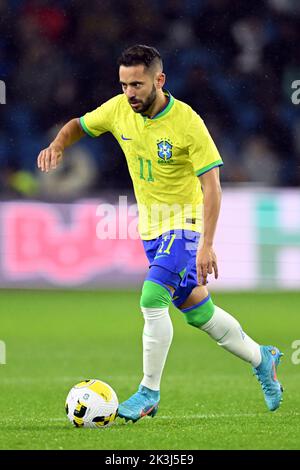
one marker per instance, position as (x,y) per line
(93,244)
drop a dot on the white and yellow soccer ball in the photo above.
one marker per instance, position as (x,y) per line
(92,404)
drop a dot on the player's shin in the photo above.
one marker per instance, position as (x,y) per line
(224,329)
(157,333)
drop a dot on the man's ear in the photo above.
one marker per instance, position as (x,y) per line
(160,79)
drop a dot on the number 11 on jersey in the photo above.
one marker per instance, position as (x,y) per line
(145,169)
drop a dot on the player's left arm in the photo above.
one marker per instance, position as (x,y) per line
(206,257)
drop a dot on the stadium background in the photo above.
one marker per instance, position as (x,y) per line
(234,62)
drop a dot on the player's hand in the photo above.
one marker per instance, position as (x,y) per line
(49,158)
(206,263)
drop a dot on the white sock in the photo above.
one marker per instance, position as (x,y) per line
(157,338)
(228,333)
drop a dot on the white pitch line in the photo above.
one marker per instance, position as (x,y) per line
(187,417)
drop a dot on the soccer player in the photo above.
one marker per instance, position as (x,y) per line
(174,165)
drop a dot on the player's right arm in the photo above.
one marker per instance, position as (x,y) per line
(50,157)
(94,124)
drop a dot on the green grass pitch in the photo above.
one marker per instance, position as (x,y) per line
(209,398)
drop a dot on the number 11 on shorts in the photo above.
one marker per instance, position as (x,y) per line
(165,239)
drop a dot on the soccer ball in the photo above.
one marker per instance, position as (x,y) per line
(92,404)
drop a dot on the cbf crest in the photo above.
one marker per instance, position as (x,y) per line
(164,150)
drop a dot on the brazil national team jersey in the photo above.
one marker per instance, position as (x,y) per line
(165,155)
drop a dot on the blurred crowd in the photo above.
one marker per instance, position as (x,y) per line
(233,61)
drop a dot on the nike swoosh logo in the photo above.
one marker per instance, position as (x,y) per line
(274,372)
(125,138)
(145,413)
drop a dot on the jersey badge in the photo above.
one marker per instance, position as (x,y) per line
(164,151)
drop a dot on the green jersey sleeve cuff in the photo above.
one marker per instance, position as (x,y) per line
(84,127)
(209,167)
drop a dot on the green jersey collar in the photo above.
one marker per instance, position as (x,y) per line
(166,109)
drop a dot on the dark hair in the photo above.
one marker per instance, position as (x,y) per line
(140,55)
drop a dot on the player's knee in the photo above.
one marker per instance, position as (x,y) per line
(199,314)
(154,295)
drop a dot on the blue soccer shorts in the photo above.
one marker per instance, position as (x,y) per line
(172,258)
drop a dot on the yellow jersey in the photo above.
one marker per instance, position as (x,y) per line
(165,155)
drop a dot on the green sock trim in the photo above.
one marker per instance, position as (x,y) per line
(201,314)
(154,295)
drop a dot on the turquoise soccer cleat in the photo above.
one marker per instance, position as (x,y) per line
(143,403)
(267,376)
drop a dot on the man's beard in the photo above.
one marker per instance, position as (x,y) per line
(146,104)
